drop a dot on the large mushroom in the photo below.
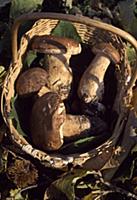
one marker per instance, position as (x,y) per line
(50,124)
(58,51)
(91,86)
(47,117)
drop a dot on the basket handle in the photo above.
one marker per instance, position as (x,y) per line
(72,18)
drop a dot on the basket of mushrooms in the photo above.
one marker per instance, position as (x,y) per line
(74,91)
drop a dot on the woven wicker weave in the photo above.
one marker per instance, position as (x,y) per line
(91,32)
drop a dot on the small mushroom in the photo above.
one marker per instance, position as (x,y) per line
(58,51)
(30,81)
(47,117)
(91,86)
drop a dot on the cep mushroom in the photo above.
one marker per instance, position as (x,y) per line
(47,117)
(50,125)
(58,52)
(30,81)
(91,86)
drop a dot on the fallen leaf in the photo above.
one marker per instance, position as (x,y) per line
(66,29)
(66,184)
(19,7)
(131,54)
(30,57)
(22,172)
(127,16)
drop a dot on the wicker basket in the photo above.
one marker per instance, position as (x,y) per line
(91,32)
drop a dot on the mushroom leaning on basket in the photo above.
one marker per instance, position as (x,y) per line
(91,86)
(50,124)
(58,51)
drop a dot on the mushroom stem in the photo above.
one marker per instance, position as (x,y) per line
(91,84)
(59,74)
(58,51)
(74,125)
(91,87)
(43,91)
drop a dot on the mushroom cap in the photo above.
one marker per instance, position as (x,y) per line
(50,44)
(108,50)
(31,81)
(47,117)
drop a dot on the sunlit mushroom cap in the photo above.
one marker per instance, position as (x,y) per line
(49,44)
(31,81)
(107,50)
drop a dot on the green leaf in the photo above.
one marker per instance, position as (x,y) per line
(74,184)
(14,116)
(127,16)
(31,55)
(19,7)
(131,53)
(84,140)
(78,145)
(83,145)
(67,183)
(66,29)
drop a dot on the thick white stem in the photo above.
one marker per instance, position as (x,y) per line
(91,83)
(74,125)
(59,74)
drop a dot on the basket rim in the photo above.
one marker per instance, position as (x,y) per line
(72,18)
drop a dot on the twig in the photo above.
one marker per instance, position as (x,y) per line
(28,188)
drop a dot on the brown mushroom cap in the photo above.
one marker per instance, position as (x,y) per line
(49,44)
(107,50)
(31,81)
(48,115)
